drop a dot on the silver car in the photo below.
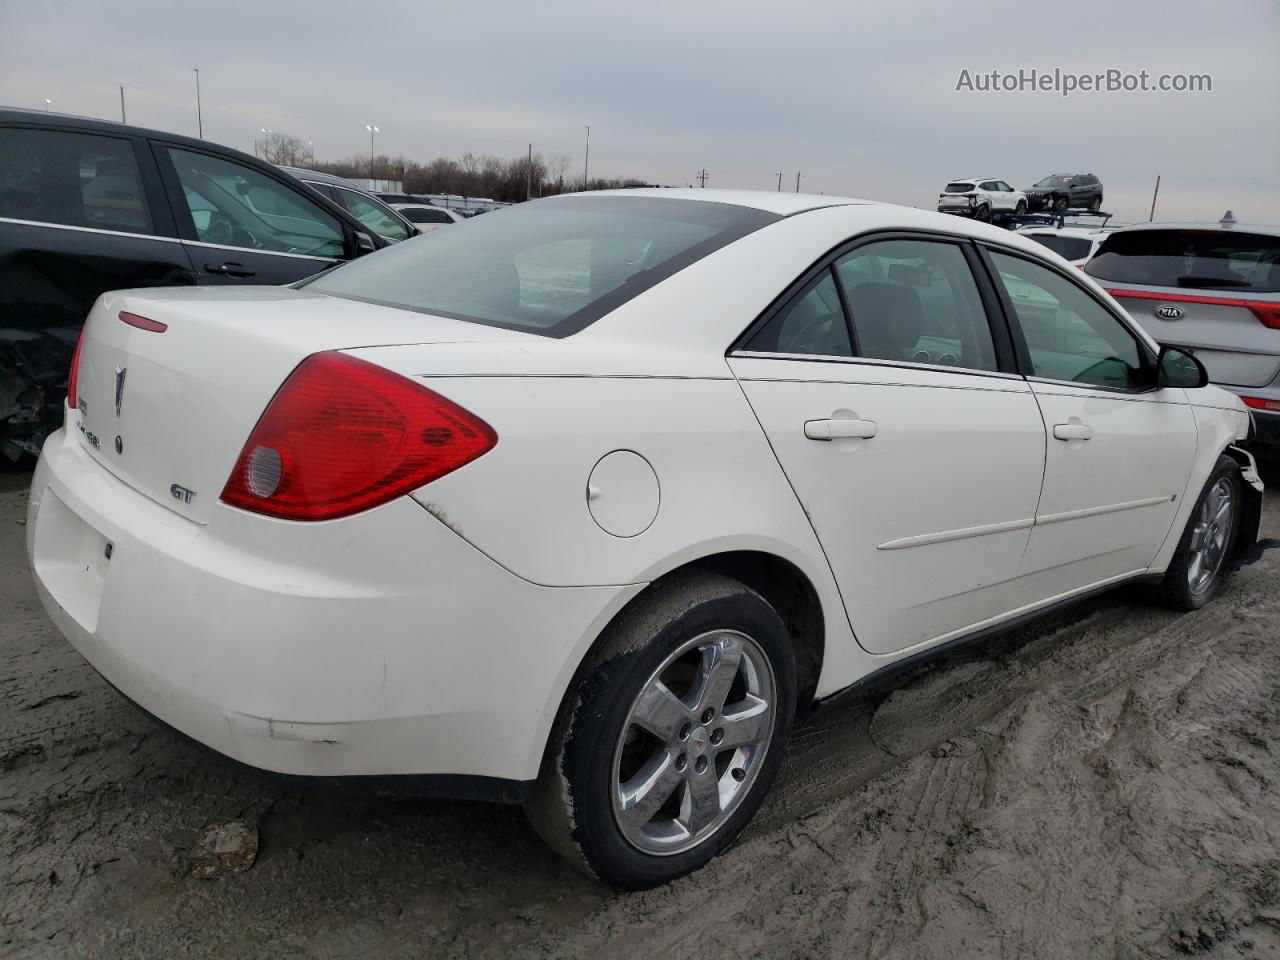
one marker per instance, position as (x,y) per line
(1214,290)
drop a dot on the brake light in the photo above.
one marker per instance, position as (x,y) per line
(1259,403)
(73,377)
(143,323)
(343,435)
(1268,314)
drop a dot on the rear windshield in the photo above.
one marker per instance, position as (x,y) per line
(1202,259)
(957,187)
(551,266)
(1069,248)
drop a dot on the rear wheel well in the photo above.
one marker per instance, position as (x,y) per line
(790,593)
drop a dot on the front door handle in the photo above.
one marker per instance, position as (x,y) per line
(229,269)
(1072,431)
(839,429)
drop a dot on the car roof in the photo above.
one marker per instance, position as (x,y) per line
(954,179)
(1089,232)
(769,201)
(319,177)
(1214,225)
(70,121)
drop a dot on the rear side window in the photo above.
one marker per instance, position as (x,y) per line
(77,179)
(1069,248)
(552,266)
(237,206)
(915,301)
(1197,259)
(812,323)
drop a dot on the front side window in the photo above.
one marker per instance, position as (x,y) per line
(1069,335)
(77,179)
(373,215)
(552,266)
(237,206)
(915,301)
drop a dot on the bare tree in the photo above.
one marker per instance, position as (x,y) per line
(284,150)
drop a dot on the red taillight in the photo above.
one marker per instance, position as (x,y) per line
(1259,403)
(1268,314)
(143,323)
(73,378)
(343,435)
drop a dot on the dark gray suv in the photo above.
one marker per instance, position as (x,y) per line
(1066,191)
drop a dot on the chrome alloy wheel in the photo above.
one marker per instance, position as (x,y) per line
(693,742)
(1210,534)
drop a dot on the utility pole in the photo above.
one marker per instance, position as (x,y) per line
(372,130)
(528,170)
(122,119)
(797,181)
(1153,199)
(586,162)
(779,181)
(702,177)
(199,114)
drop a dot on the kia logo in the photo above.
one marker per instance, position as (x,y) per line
(1169,312)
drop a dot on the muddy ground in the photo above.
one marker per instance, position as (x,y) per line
(1106,784)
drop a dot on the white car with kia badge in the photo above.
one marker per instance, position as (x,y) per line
(580,503)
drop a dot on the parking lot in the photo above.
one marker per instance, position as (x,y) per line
(1101,784)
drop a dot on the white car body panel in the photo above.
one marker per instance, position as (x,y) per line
(439,632)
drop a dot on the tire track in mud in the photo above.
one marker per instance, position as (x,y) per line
(1101,784)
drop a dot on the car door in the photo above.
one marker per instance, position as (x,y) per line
(240,224)
(1119,451)
(893,407)
(80,213)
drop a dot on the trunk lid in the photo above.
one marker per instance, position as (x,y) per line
(168,412)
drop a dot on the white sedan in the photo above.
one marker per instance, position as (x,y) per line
(426,217)
(580,504)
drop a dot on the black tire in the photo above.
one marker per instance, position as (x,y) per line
(983,214)
(1175,588)
(571,805)
(1021,208)
(1095,204)
(1060,204)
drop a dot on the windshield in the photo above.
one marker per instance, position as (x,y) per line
(1203,259)
(1057,180)
(1069,248)
(958,187)
(551,266)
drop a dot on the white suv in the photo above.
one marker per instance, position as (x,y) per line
(980,197)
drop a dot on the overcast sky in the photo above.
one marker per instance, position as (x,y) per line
(859,97)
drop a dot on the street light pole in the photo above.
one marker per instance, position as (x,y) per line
(47,101)
(122,119)
(372,130)
(199,113)
(586,162)
(266,143)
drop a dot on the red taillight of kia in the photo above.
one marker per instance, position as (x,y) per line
(1268,313)
(73,378)
(343,435)
(1261,403)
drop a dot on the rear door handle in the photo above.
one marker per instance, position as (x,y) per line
(229,269)
(1072,431)
(839,429)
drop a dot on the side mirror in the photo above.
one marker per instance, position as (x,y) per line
(1177,368)
(364,244)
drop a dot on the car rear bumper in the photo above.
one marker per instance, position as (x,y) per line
(958,211)
(379,644)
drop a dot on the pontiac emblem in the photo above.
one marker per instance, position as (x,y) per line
(120,374)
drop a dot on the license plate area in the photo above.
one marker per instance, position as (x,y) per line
(71,559)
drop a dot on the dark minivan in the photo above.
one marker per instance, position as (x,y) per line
(89,205)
